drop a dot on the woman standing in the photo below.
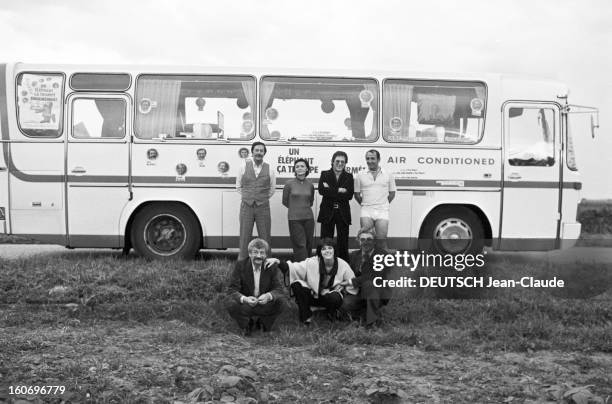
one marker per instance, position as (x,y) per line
(298,197)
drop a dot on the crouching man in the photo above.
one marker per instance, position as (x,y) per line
(371,299)
(256,293)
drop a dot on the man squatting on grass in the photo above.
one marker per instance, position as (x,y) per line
(255,290)
(371,299)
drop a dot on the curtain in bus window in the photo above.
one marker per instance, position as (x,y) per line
(113,115)
(480,92)
(162,118)
(249,91)
(436,109)
(267,88)
(544,125)
(248,87)
(373,88)
(397,105)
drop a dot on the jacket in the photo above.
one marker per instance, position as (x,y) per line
(331,196)
(242,283)
(307,274)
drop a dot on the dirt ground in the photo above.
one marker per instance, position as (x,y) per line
(111,362)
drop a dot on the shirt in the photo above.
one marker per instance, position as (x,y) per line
(374,192)
(257,170)
(298,196)
(256,276)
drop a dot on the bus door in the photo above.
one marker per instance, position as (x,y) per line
(531,176)
(97,169)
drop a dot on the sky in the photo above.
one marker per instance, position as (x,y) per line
(570,41)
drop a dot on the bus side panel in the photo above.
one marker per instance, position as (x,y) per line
(4,153)
(37,189)
(570,227)
(4,190)
(400,224)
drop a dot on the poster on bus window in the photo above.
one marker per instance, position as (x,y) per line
(40,98)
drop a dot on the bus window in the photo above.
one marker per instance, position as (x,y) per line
(319,109)
(433,111)
(531,136)
(99,118)
(195,107)
(40,104)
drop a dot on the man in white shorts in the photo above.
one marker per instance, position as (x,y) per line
(374,190)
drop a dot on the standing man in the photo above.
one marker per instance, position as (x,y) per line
(336,186)
(255,183)
(255,290)
(374,190)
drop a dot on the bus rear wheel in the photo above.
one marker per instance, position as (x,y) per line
(165,232)
(452,230)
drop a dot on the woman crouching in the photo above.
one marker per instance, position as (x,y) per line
(319,280)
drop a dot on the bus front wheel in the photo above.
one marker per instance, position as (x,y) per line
(165,232)
(452,230)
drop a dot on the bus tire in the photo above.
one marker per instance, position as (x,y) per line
(452,230)
(166,232)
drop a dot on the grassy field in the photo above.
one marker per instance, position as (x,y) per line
(113,329)
(596,218)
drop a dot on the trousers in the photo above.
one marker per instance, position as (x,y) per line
(267,313)
(301,233)
(327,231)
(305,299)
(250,215)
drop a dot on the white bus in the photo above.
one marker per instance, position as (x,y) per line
(146,157)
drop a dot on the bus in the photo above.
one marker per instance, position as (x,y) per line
(146,157)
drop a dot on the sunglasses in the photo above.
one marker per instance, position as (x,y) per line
(366,239)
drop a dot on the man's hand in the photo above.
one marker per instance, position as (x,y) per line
(271,261)
(346,282)
(265,298)
(342,190)
(325,185)
(325,291)
(251,300)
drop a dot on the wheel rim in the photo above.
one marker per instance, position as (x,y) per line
(165,234)
(453,235)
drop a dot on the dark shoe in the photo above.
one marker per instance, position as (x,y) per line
(332,316)
(249,328)
(259,325)
(308,321)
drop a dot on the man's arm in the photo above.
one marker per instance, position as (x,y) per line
(357,189)
(392,187)
(239,178)
(276,286)
(350,188)
(327,191)
(272,183)
(235,284)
